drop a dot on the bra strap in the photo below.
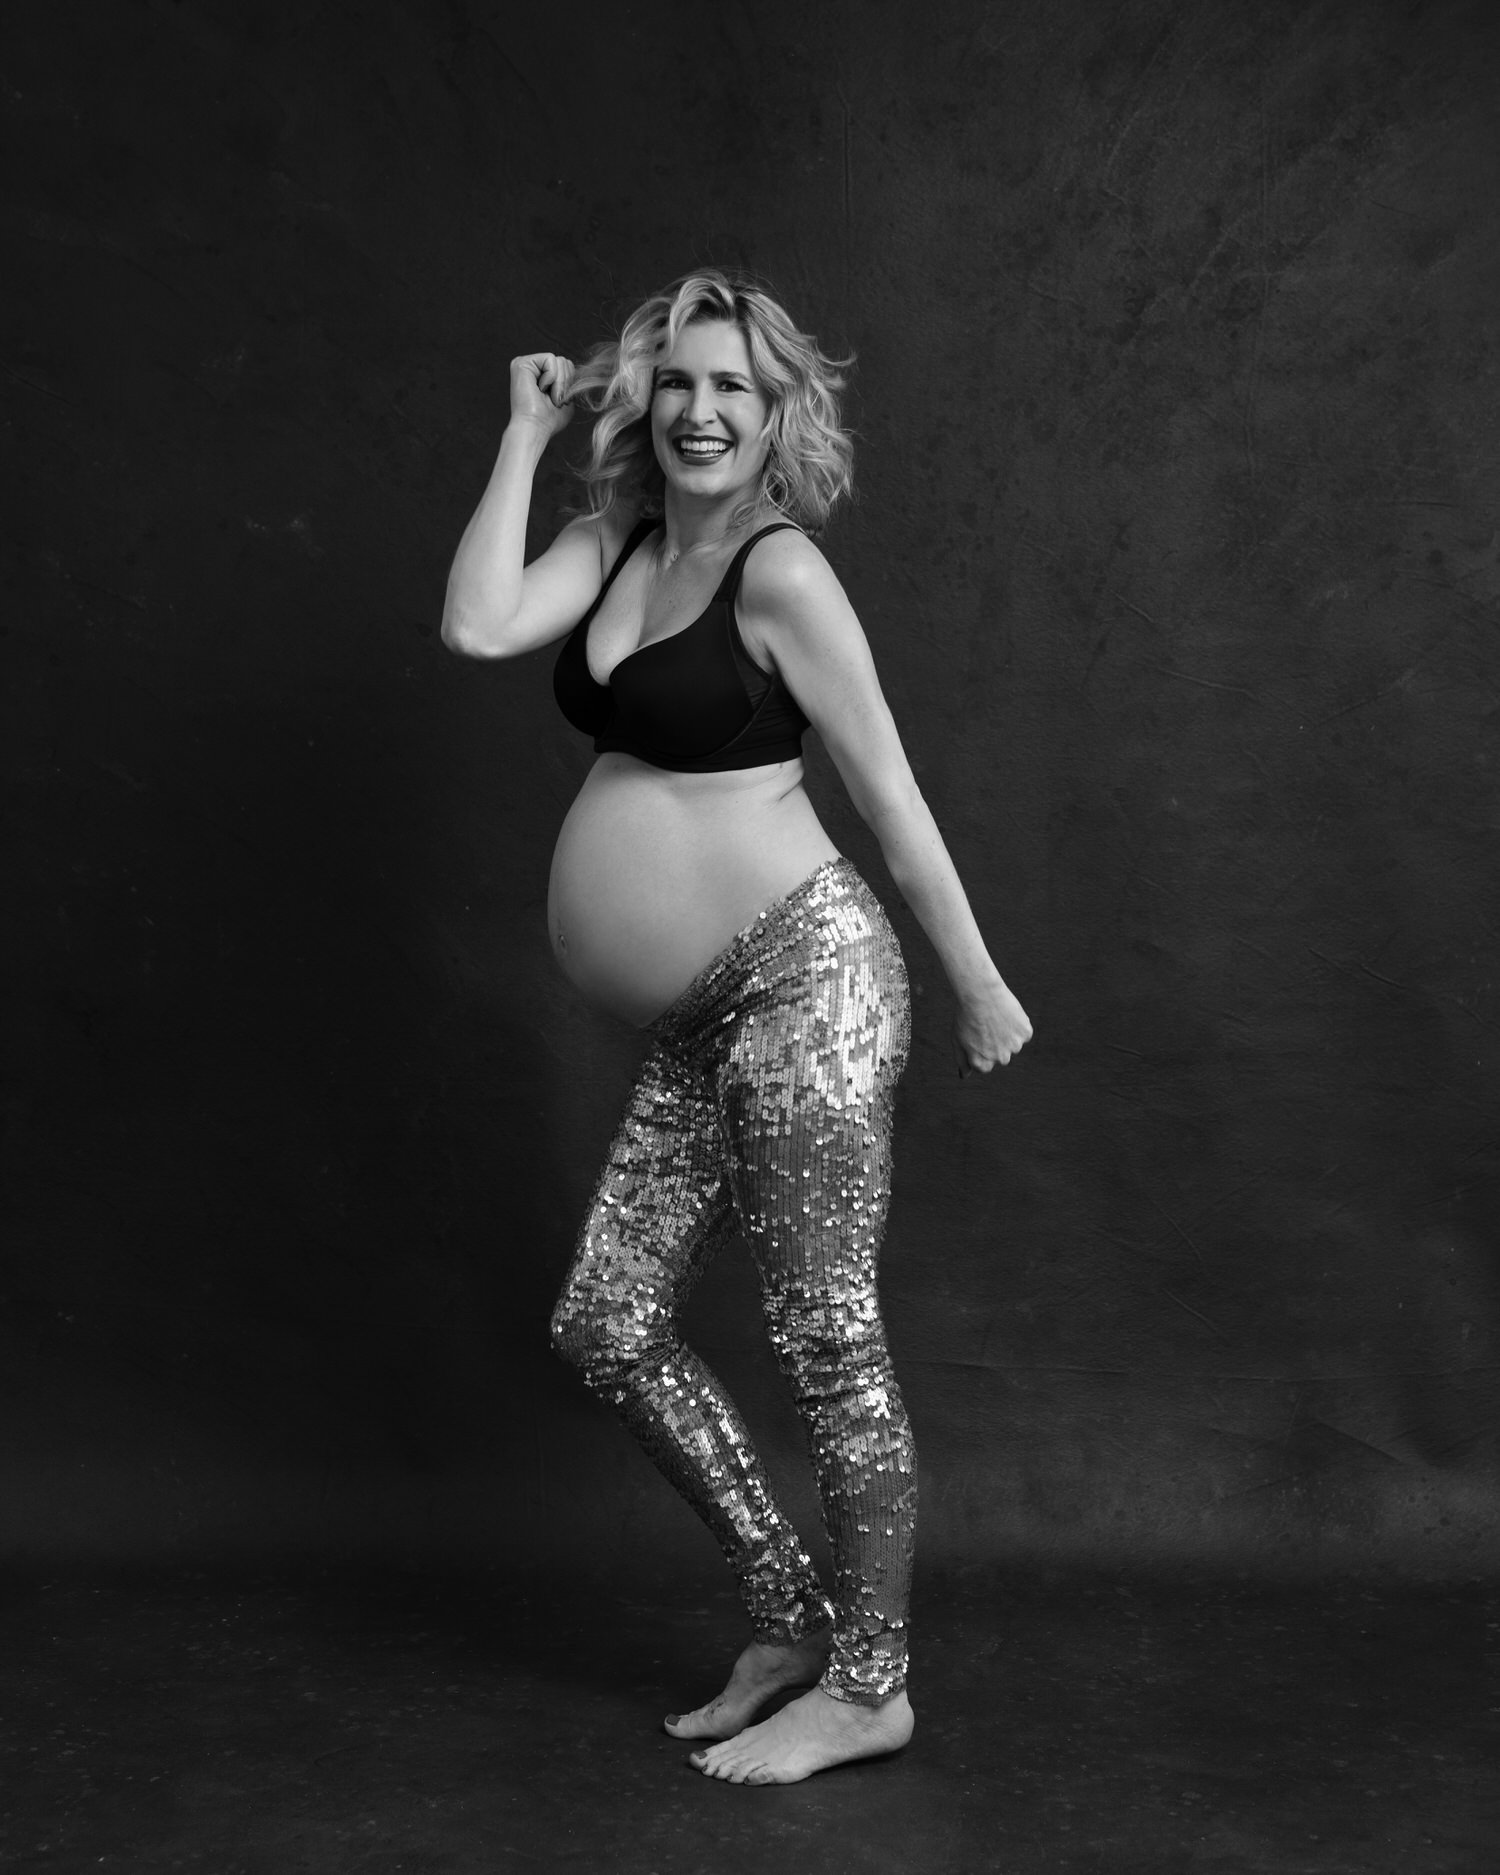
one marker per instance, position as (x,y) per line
(632,540)
(729,586)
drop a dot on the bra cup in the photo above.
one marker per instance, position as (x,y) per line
(695,701)
(682,696)
(587,705)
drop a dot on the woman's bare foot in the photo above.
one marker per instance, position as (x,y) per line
(808,1735)
(760,1672)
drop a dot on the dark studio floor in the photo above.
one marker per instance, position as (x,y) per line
(408,1723)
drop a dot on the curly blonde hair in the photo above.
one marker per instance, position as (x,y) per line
(809,461)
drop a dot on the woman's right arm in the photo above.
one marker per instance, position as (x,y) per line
(496,605)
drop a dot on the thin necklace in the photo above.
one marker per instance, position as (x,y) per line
(666,561)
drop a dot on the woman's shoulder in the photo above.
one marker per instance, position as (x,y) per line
(786,567)
(790,596)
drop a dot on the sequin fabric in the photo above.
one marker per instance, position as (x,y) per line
(764,1109)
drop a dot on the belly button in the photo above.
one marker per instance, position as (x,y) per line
(562,942)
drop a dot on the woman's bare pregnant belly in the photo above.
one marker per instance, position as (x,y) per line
(655,872)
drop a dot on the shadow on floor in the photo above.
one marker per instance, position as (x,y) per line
(404,1725)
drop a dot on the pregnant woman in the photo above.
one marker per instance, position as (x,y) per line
(695,894)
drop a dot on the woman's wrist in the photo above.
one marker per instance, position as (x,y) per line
(977,984)
(526,434)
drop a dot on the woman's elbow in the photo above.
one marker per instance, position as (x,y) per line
(453,634)
(467,633)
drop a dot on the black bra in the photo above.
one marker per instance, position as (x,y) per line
(695,701)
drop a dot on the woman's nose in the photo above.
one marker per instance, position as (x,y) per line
(700,407)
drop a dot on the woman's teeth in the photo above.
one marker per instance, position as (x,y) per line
(701,449)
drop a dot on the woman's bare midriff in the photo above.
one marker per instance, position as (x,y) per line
(654,873)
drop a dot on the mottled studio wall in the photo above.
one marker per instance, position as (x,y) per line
(1177,543)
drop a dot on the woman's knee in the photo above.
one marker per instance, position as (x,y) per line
(826,1352)
(604,1337)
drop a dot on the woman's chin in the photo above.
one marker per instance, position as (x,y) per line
(706,486)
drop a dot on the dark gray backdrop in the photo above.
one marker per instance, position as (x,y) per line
(1177,404)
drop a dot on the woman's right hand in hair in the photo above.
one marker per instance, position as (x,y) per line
(539,385)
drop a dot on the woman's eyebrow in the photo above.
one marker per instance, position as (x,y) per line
(677,371)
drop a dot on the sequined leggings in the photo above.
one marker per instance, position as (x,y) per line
(765,1107)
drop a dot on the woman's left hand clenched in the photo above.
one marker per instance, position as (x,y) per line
(990,1027)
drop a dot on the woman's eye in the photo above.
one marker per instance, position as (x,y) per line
(673,383)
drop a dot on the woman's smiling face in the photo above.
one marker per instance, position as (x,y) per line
(708,414)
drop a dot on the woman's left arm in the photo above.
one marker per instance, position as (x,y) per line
(794,612)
